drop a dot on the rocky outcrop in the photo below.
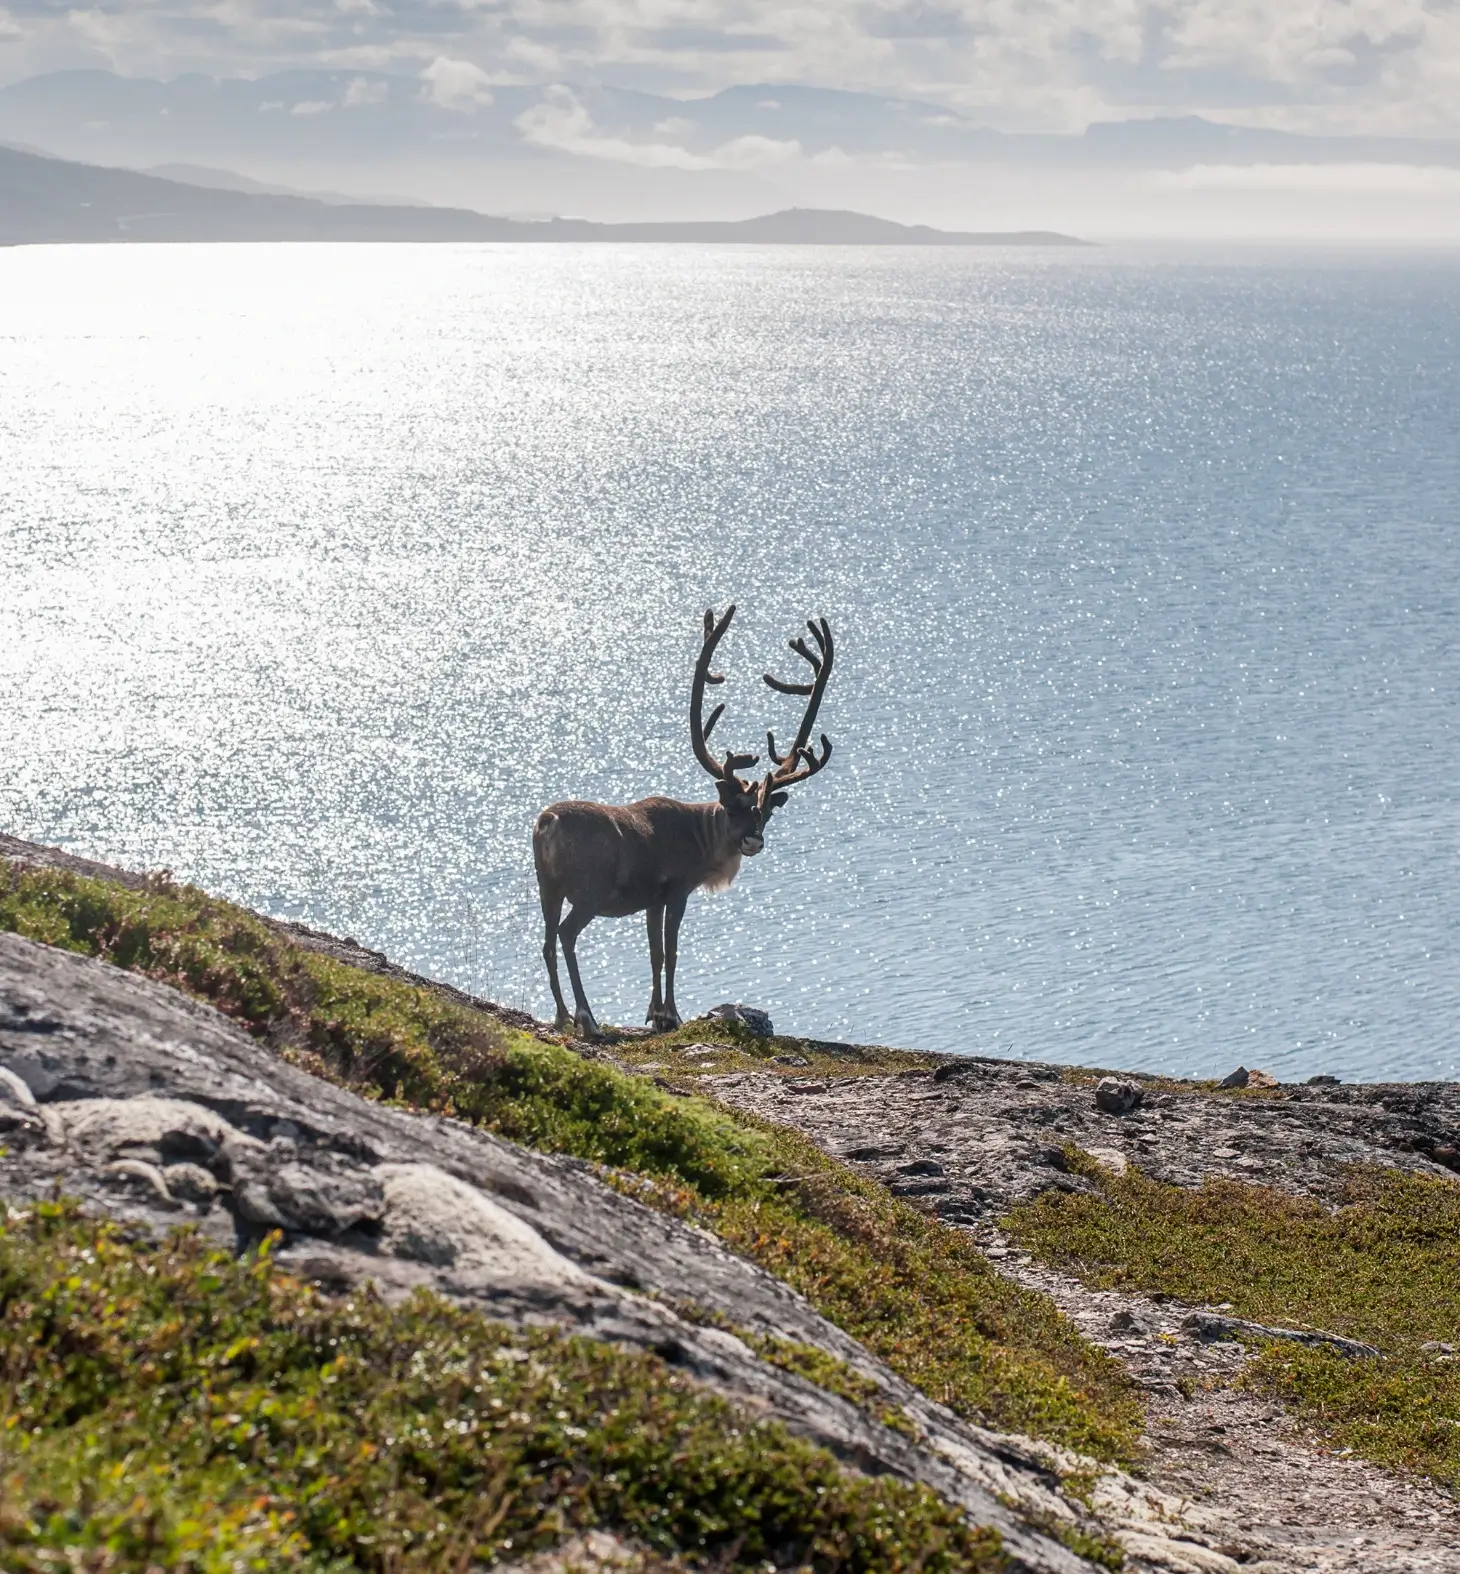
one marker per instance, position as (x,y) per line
(155,1110)
(975,1136)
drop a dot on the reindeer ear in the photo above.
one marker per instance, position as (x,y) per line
(729,791)
(776,799)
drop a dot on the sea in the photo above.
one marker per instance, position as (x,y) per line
(324,568)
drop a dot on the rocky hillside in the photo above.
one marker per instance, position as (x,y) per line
(309,1262)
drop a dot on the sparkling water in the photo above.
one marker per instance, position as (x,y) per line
(324,568)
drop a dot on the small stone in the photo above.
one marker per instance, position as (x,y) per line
(1235,1079)
(1129,1322)
(922,1167)
(804,1087)
(756,1022)
(1116,1097)
(1027,1084)
(1323,1080)
(1110,1159)
(789,1060)
(1437,1347)
(191,1182)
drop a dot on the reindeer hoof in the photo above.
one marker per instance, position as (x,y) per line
(663,1021)
(586,1028)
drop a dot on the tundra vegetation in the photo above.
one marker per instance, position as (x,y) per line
(77,1296)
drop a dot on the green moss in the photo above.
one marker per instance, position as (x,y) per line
(175,1407)
(745,1052)
(915,1292)
(1384,1268)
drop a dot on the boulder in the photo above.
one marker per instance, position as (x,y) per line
(1118,1097)
(755,1021)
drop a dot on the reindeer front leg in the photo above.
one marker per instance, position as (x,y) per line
(576,922)
(673,913)
(655,917)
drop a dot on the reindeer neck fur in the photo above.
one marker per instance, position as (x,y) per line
(727,863)
(721,853)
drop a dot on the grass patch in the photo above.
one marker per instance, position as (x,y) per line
(781,1055)
(171,1406)
(915,1292)
(1383,1268)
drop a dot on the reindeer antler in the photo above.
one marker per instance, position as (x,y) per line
(800,753)
(700,729)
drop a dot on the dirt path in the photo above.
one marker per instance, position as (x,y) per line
(1263,1496)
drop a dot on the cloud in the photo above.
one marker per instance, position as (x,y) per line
(456,84)
(755,153)
(1337,65)
(362,93)
(1355,179)
(562,122)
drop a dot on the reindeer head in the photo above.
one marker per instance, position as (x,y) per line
(749,804)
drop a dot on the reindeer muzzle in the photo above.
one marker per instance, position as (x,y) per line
(751,845)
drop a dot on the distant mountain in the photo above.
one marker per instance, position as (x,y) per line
(227,180)
(49,200)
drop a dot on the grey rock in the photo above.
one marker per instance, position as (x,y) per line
(1117,1097)
(921,1167)
(1211,1325)
(1236,1079)
(752,1018)
(789,1060)
(1322,1080)
(1128,1321)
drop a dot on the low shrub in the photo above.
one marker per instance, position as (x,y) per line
(174,1407)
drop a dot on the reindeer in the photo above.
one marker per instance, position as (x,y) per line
(609,861)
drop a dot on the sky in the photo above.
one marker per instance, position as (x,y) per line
(1371,66)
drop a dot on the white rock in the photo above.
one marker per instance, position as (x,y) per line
(432,1217)
(13,1090)
(102,1128)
